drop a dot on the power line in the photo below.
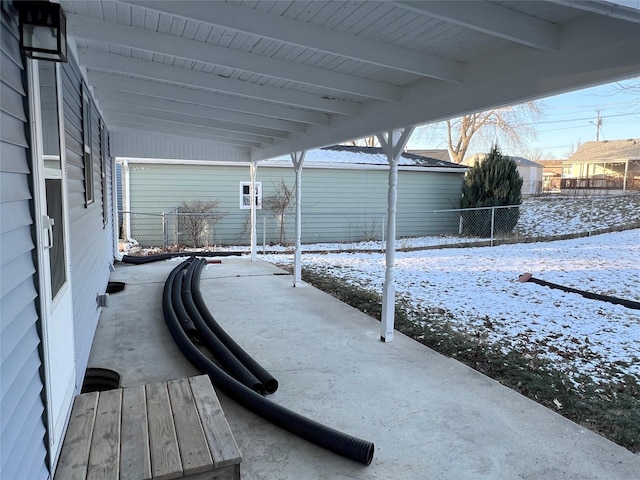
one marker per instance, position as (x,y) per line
(579,119)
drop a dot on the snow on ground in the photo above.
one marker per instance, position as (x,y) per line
(480,287)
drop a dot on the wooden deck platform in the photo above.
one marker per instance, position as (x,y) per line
(174,429)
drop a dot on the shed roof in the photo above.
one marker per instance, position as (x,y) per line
(439,154)
(337,156)
(607,151)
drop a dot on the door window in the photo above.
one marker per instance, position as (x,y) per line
(53,175)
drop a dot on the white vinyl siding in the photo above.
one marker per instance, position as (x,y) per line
(91,243)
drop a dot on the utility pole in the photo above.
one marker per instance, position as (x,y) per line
(598,125)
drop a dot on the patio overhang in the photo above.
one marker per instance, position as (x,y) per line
(248,82)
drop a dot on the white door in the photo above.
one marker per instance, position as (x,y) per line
(53,248)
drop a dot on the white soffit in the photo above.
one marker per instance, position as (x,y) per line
(266,78)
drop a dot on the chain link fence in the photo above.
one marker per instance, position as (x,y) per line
(535,219)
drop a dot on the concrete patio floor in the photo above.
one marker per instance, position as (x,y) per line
(429,416)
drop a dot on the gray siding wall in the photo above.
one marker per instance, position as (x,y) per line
(22,429)
(338,204)
(91,241)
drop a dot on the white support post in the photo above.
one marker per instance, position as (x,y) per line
(393,146)
(298,158)
(253,166)
(126,202)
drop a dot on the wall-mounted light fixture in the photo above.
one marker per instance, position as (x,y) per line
(43,30)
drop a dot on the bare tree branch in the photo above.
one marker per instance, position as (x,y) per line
(512,126)
(197,217)
(371,141)
(279,204)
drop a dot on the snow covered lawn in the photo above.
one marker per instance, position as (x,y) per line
(480,287)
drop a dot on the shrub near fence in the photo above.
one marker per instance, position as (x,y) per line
(537,218)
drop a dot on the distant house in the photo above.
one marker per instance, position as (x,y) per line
(344,196)
(603,167)
(530,171)
(551,175)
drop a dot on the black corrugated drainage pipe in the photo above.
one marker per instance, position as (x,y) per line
(165,256)
(340,443)
(268,381)
(528,277)
(185,321)
(226,359)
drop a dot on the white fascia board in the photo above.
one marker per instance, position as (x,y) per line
(107,62)
(306,35)
(164,44)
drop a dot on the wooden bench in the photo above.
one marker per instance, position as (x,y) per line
(174,429)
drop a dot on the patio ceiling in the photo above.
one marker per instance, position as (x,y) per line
(257,79)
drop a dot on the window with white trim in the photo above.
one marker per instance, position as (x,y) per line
(89,195)
(245,189)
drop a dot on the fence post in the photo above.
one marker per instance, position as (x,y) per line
(164,232)
(264,234)
(493,222)
(383,226)
(593,201)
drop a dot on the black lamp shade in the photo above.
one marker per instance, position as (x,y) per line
(43,30)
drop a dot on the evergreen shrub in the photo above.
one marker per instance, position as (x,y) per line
(495,181)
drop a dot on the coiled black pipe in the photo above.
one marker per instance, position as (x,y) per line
(527,277)
(340,443)
(165,256)
(268,381)
(227,360)
(185,321)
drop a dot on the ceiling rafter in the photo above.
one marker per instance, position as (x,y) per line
(517,51)
(129,126)
(165,105)
(261,110)
(491,19)
(311,36)
(108,62)
(614,51)
(147,40)
(194,120)
(141,120)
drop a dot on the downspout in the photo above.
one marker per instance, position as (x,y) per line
(298,158)
(393,147)
(253,166)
